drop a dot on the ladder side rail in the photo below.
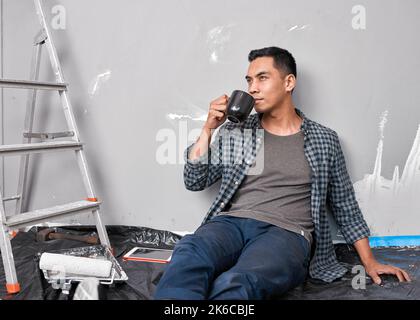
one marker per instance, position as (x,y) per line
(68,111)
(28,127)
(65,99)
(6,251)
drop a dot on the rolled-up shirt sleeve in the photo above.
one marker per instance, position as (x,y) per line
(204,171)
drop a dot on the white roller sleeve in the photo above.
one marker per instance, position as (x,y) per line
(75,265)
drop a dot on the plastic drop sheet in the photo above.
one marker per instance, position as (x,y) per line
(144,276)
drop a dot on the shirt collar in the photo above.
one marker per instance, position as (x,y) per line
(304,124)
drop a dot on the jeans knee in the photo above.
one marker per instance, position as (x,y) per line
(235,285)
(194,247)
(236,277)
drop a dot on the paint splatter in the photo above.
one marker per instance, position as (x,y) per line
(217,38)
(390,207)
(382,123)
(98,81)
(214,57)
(174,116)
(219,35)
(296,27)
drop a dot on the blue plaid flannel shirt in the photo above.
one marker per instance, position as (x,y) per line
(331,184)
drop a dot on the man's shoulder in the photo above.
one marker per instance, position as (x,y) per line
(324,137)
(321,131)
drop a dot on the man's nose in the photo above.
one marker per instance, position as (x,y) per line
(253,88)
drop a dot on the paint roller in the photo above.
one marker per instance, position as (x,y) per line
(80,266)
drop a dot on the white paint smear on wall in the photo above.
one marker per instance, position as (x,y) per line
(217,38)
(98,81)
(382,123)
(296,27)
(392,207)
(174,116)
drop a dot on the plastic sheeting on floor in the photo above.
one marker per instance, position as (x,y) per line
(143,276)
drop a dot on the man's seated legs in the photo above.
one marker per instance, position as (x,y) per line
(198,258)
(271,264)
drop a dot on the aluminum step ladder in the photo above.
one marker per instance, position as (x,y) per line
(21,219)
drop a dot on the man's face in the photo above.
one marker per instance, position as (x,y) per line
(266,84)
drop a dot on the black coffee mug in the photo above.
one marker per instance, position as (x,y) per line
(240,105)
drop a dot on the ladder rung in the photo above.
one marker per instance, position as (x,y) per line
(46,135)
(43,215)
(14,149)
(29,84)
(11,198)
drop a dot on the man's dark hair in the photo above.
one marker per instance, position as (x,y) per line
(283,59)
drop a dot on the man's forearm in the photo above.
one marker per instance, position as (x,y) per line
(365,252)
(201,145)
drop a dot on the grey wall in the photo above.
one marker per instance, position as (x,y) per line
(142,75)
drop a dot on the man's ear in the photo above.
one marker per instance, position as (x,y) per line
(289,82)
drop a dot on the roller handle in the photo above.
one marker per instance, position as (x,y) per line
(64,236)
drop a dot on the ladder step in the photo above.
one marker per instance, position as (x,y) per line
(12,198)
(47,135)
(14,149)
(43,215)
(29,84)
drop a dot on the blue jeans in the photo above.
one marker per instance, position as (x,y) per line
(231,258)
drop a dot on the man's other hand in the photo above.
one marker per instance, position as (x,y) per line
(374,269)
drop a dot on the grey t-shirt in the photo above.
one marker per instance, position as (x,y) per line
(279,192)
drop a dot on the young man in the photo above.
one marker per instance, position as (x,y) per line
(266,232)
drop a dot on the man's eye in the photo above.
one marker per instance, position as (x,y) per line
(263,77)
